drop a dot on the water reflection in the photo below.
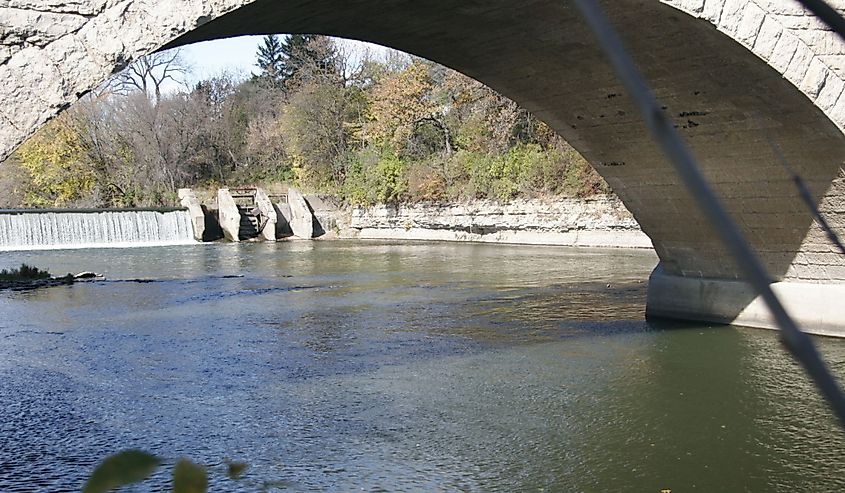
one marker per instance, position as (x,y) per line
(348,365)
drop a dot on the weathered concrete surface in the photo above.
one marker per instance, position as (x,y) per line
(283,229)
(189,200)
(733,75)
(301,220)
(816,307)
(331,215)
(262,201)
(597,222)
(228,215)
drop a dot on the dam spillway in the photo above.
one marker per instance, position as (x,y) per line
(57,229)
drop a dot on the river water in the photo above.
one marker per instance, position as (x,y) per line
(377,366)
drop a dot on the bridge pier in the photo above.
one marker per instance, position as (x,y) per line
(816,307)
(734,77)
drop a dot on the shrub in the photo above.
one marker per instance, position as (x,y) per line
(474,173)
(387,179)
(23,273)
(426,181)
(373,178)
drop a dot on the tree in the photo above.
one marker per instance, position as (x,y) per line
(403,103)
(318,121)
(309,57)
(56,160)
(270,59)
(394,129)
(150,72)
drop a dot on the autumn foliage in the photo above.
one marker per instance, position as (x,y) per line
(368,130)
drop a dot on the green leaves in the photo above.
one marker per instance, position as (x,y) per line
(189,477)
(132,466)
(121,469)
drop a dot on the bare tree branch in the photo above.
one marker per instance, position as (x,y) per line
(149,73)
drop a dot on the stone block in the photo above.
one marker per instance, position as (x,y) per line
(712,10)
(798,66)
(830,93)
(39,28)
(824,42)
(836,63)
(228,215)
(268,213)
(732,16)
(301,220)
(783,51)
(796,23)
(837,112)
(189,200)
(815,78)
(767,38)
(750,24)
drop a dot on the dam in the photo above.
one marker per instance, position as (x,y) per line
(733,77)
(23,229)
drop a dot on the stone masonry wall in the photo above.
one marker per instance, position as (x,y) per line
(790,38)
(782,82)
(53,51)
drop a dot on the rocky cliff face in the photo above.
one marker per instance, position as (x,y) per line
(602,221)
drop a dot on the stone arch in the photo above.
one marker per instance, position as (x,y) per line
(789,38)
(733,74)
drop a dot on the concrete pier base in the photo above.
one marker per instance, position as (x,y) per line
(817,308)
(189,200)
(265,205)
(228,215)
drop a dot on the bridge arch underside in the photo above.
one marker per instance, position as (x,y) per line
(726,102)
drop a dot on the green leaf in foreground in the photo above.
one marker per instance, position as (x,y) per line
(189,477)
(120,469)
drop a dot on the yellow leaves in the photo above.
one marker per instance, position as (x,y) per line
(57,163)
(397,102)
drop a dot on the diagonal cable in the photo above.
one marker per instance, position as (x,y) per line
(827,15)
(665,135)
(807,198)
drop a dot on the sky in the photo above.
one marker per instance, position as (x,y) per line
(237,55)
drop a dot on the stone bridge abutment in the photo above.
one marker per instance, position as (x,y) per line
(734,75)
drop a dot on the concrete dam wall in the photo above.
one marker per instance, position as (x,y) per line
(53,229)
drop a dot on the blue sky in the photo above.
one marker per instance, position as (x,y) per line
(237,55)
(211,58)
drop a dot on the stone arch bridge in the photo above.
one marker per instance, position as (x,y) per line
(734,75)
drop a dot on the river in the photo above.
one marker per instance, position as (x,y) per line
(379,366)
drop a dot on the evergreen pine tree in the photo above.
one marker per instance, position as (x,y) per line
(313,53)
(270,58)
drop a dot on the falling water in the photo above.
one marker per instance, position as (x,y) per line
(51,230)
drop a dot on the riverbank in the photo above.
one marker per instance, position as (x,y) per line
(601,221)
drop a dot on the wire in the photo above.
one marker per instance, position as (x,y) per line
(827,15)
(799,343)
(807,198)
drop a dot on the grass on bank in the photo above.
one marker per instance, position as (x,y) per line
(23,273)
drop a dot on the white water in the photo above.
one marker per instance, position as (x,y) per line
(54,230)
